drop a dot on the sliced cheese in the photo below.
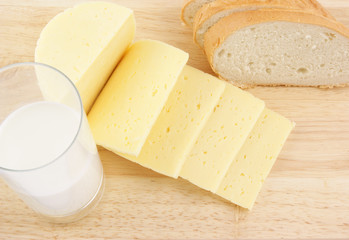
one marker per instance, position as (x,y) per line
(85,43)
(186,111)
(131,101)
(222,137)
(252,165)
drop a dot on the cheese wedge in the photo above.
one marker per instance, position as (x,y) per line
(131,101)
(85,43)
(222,137)
(188,108)
(253,163)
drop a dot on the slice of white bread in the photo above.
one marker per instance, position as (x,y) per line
(272,47)
(212,12)
(189,9)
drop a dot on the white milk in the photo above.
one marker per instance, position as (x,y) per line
(58,174)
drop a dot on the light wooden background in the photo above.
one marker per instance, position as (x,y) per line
(306,195)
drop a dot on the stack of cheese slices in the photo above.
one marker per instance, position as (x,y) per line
(271,42)
(157,111)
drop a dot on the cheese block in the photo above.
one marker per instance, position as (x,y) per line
(222,137)
(85,42)
(188,108)
(131,101)
(253,163)
(212,12)
(272,47)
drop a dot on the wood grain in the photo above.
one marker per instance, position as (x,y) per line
(306,195)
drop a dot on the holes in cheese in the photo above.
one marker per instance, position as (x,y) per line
(85,43)
(222,137)
(134,96)
(247,172)
(185,113)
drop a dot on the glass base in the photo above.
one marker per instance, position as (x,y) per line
(82,212)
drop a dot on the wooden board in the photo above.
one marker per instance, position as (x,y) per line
(306,195)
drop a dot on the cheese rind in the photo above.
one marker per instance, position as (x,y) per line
(254,161)
(85,42)
(186,111)
(130,103)
(222,137)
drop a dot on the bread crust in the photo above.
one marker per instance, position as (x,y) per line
(217,34)
(184,6)
(210,9)
(249,86)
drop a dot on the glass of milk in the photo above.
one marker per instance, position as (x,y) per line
(47,152)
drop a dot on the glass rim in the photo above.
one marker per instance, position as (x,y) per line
(21,64)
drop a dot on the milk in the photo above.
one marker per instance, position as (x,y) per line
(57,167)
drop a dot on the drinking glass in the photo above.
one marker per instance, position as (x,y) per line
(47,152)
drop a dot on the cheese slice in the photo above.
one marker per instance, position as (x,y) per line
(222,137)
(252,165)
(187,109)
(131,101)
(85,42)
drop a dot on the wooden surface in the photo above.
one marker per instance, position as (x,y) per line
(306,195)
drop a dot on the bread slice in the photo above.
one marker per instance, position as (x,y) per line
(189,9)
(272,47)
(212,12)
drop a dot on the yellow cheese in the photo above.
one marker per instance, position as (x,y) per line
(86,43)
(186,111)
(252,165)
(131,101)
(222,137)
